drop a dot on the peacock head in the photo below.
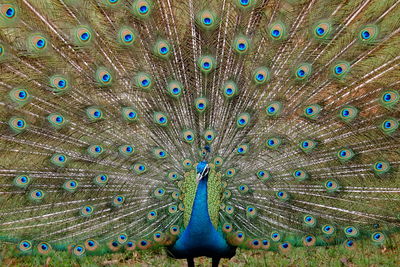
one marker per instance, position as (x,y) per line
(202,170)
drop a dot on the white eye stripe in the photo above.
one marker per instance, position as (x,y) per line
(205,170)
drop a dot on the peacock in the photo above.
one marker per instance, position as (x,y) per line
(198,126)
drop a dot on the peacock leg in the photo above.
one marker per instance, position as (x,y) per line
(215,262)
(190,262)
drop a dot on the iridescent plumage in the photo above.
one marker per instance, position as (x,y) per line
(199,126)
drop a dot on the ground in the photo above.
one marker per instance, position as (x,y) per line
(364,255)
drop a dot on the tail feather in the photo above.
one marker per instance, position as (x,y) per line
(106,105)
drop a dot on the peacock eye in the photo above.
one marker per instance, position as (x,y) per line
(276,33)
(320,31)
(338,70)
(143,9)
(163,50)
(366,35)
(41,43)
(85,36)
(10,12)
(61,83)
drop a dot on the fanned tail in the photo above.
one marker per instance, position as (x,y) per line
(107,107)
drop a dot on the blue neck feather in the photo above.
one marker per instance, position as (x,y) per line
(200,238)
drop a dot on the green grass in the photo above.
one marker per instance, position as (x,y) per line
(364,255)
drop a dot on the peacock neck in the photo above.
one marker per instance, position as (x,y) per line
(200,222)
(200,238)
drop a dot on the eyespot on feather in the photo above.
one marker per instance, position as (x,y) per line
(341,69)
(312,111)
(331,186)
(143,81)
(142,9)
(104,77)
(273,142)
(101,179)
(207,20)
(160,153)
(175,89)
(94,114)
(127,36)
(144,244)
(130,245)
(187,164)
(309,240)
(173,176)
(160,119)
(389,126)
(277,31)
(300,175)
(274,109)
(19,96)
(328,229)
(37,43)
(44,248)
(242,120)
(22,181)
(95,150)
(322,30)
(56,120)
(242,149)
(303,71)
(218,161)
(241,44)
(349,244)
(282,195)
(368,33)
(122,238)
(70,185)
(206,64)
(351,231)
(86,211)
(230,89)
(118,201)
(17,124)
(285,247)
(381,167)
(82,35)
(308,145)
(9,14)
(59,84)
(230,172)
(79,250)
(139,168)
(126,150)
(389,99)
(201,104)
(345,154)
(245,4)
(25,246)
(309,220)
(162,49)
(263,175)
(348,113)
(276,236)
(36,195)
(59,159)
(261,75)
